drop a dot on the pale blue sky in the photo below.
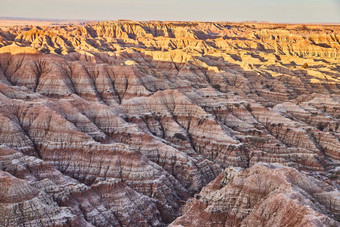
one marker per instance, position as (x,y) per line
(290,11)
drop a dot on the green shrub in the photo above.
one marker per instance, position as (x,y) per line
(180,136)
(249,108)
(321,126)
(216,86)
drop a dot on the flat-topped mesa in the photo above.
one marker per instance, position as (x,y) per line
(119,123)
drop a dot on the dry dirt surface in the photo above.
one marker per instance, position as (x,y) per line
(125,123)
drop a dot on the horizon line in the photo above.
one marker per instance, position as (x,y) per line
(124,19)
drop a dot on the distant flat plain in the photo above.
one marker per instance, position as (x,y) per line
(8,22)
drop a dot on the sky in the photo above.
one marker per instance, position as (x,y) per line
(286,11)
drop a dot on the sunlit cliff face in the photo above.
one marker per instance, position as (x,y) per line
(151,123)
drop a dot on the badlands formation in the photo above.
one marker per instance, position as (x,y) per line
(170,123)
